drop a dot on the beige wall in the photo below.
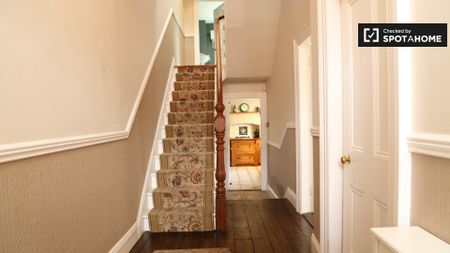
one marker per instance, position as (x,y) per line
(294,15)
(429,73)
(430,110)
(71,68)
(316,114)
(251,29)
(244,87)
(84,200)
(281,165)
(316,164)
(188,25)
(315,64)
(431,195)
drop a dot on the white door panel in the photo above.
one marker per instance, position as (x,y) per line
(366,131)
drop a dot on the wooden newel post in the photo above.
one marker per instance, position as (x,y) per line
(221,215)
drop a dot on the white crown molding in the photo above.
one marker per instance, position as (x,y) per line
(279,144)
(126,243)
(17,151)
(437,145)
(315,132)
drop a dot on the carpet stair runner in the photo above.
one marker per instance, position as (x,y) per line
(183,200)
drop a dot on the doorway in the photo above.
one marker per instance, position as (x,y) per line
(358,106)
(244,124)
(245,141)
(208,10)
(304,124)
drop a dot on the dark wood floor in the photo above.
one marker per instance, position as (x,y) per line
(255,224)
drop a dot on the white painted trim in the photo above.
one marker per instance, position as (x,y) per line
(330,102)
(148,187)
(12,152)
(196,32)
(303,120)
(263,133)
(315,132)
(179,23)
(279,144)
(408,239)
(16,151)
(315,245)
(272,193)
(126,243)
(331,139)
(291,196)
(289,125)
(437,145)
(149,70)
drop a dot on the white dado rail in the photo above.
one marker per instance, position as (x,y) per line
(437,145)
(17,151)
(407,240)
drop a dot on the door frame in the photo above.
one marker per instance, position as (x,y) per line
(263,133)
(196,32)
(299,126)
(330,53)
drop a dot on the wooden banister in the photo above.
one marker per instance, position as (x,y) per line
(221,200)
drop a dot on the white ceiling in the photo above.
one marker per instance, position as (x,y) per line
(206,10)
(251,30)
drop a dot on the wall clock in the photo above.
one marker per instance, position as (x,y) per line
(244,107)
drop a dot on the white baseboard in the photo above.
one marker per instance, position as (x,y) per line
(291,196)
(126,243)
(315,246)
(272,192)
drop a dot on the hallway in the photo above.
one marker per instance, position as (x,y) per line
(256,224)
(245,178)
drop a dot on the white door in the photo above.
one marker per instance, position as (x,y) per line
(366,129)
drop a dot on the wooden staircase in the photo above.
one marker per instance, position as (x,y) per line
(183,200)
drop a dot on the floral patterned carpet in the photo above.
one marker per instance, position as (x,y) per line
(183,200)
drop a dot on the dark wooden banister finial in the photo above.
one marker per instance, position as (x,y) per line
(221,200)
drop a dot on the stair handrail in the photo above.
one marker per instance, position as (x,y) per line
(219,122)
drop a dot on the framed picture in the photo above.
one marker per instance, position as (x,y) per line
(243,130)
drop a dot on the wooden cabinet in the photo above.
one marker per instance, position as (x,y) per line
(245,152)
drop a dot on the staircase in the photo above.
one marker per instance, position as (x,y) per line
(184,200)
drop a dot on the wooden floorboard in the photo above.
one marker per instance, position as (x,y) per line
(255,224)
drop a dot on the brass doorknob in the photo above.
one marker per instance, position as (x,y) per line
(345,159)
